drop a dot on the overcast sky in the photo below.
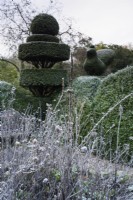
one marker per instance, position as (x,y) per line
(109,21)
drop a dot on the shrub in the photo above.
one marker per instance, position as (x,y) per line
(44,24)
(123,57)
(106,55)
(8,73)
(26,102)
(85,87)
(46,163)
(115,88)
(6,94)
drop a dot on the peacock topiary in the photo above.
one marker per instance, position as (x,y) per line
(93,65)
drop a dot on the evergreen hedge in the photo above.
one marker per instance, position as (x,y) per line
(113,89)
(34,51)
(85,87)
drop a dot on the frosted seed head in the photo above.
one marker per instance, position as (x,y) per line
(45,180)
(84,149)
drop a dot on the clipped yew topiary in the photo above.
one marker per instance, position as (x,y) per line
(44,24)
(42,37)
(43,81)
(116,90)
(93,65)
(42,77)
(43,50)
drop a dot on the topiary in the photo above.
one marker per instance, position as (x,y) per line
(42,48)
(41,51)
(43,82)
(93,65)
(42,37)
(44,24)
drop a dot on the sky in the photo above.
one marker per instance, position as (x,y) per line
(107,21)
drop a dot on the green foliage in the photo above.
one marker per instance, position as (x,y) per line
(93,65)
(123,56)
(101,45)
(5,87)
(9,80)
(113,89)
(44,24)
(44,51)
(106,55)
(38,77)
(26,102)
(8,73)
(91,53)
(43,37)
(22,98)
(85,87)
(77,70)
(6,94)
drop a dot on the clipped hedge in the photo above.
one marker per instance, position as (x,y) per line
(112,90)
(44,24)
(86,86)
(42,37)
(42,77)
(34,51)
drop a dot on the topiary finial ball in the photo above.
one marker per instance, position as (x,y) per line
(44,24)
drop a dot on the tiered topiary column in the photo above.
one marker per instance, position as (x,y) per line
(43,50)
